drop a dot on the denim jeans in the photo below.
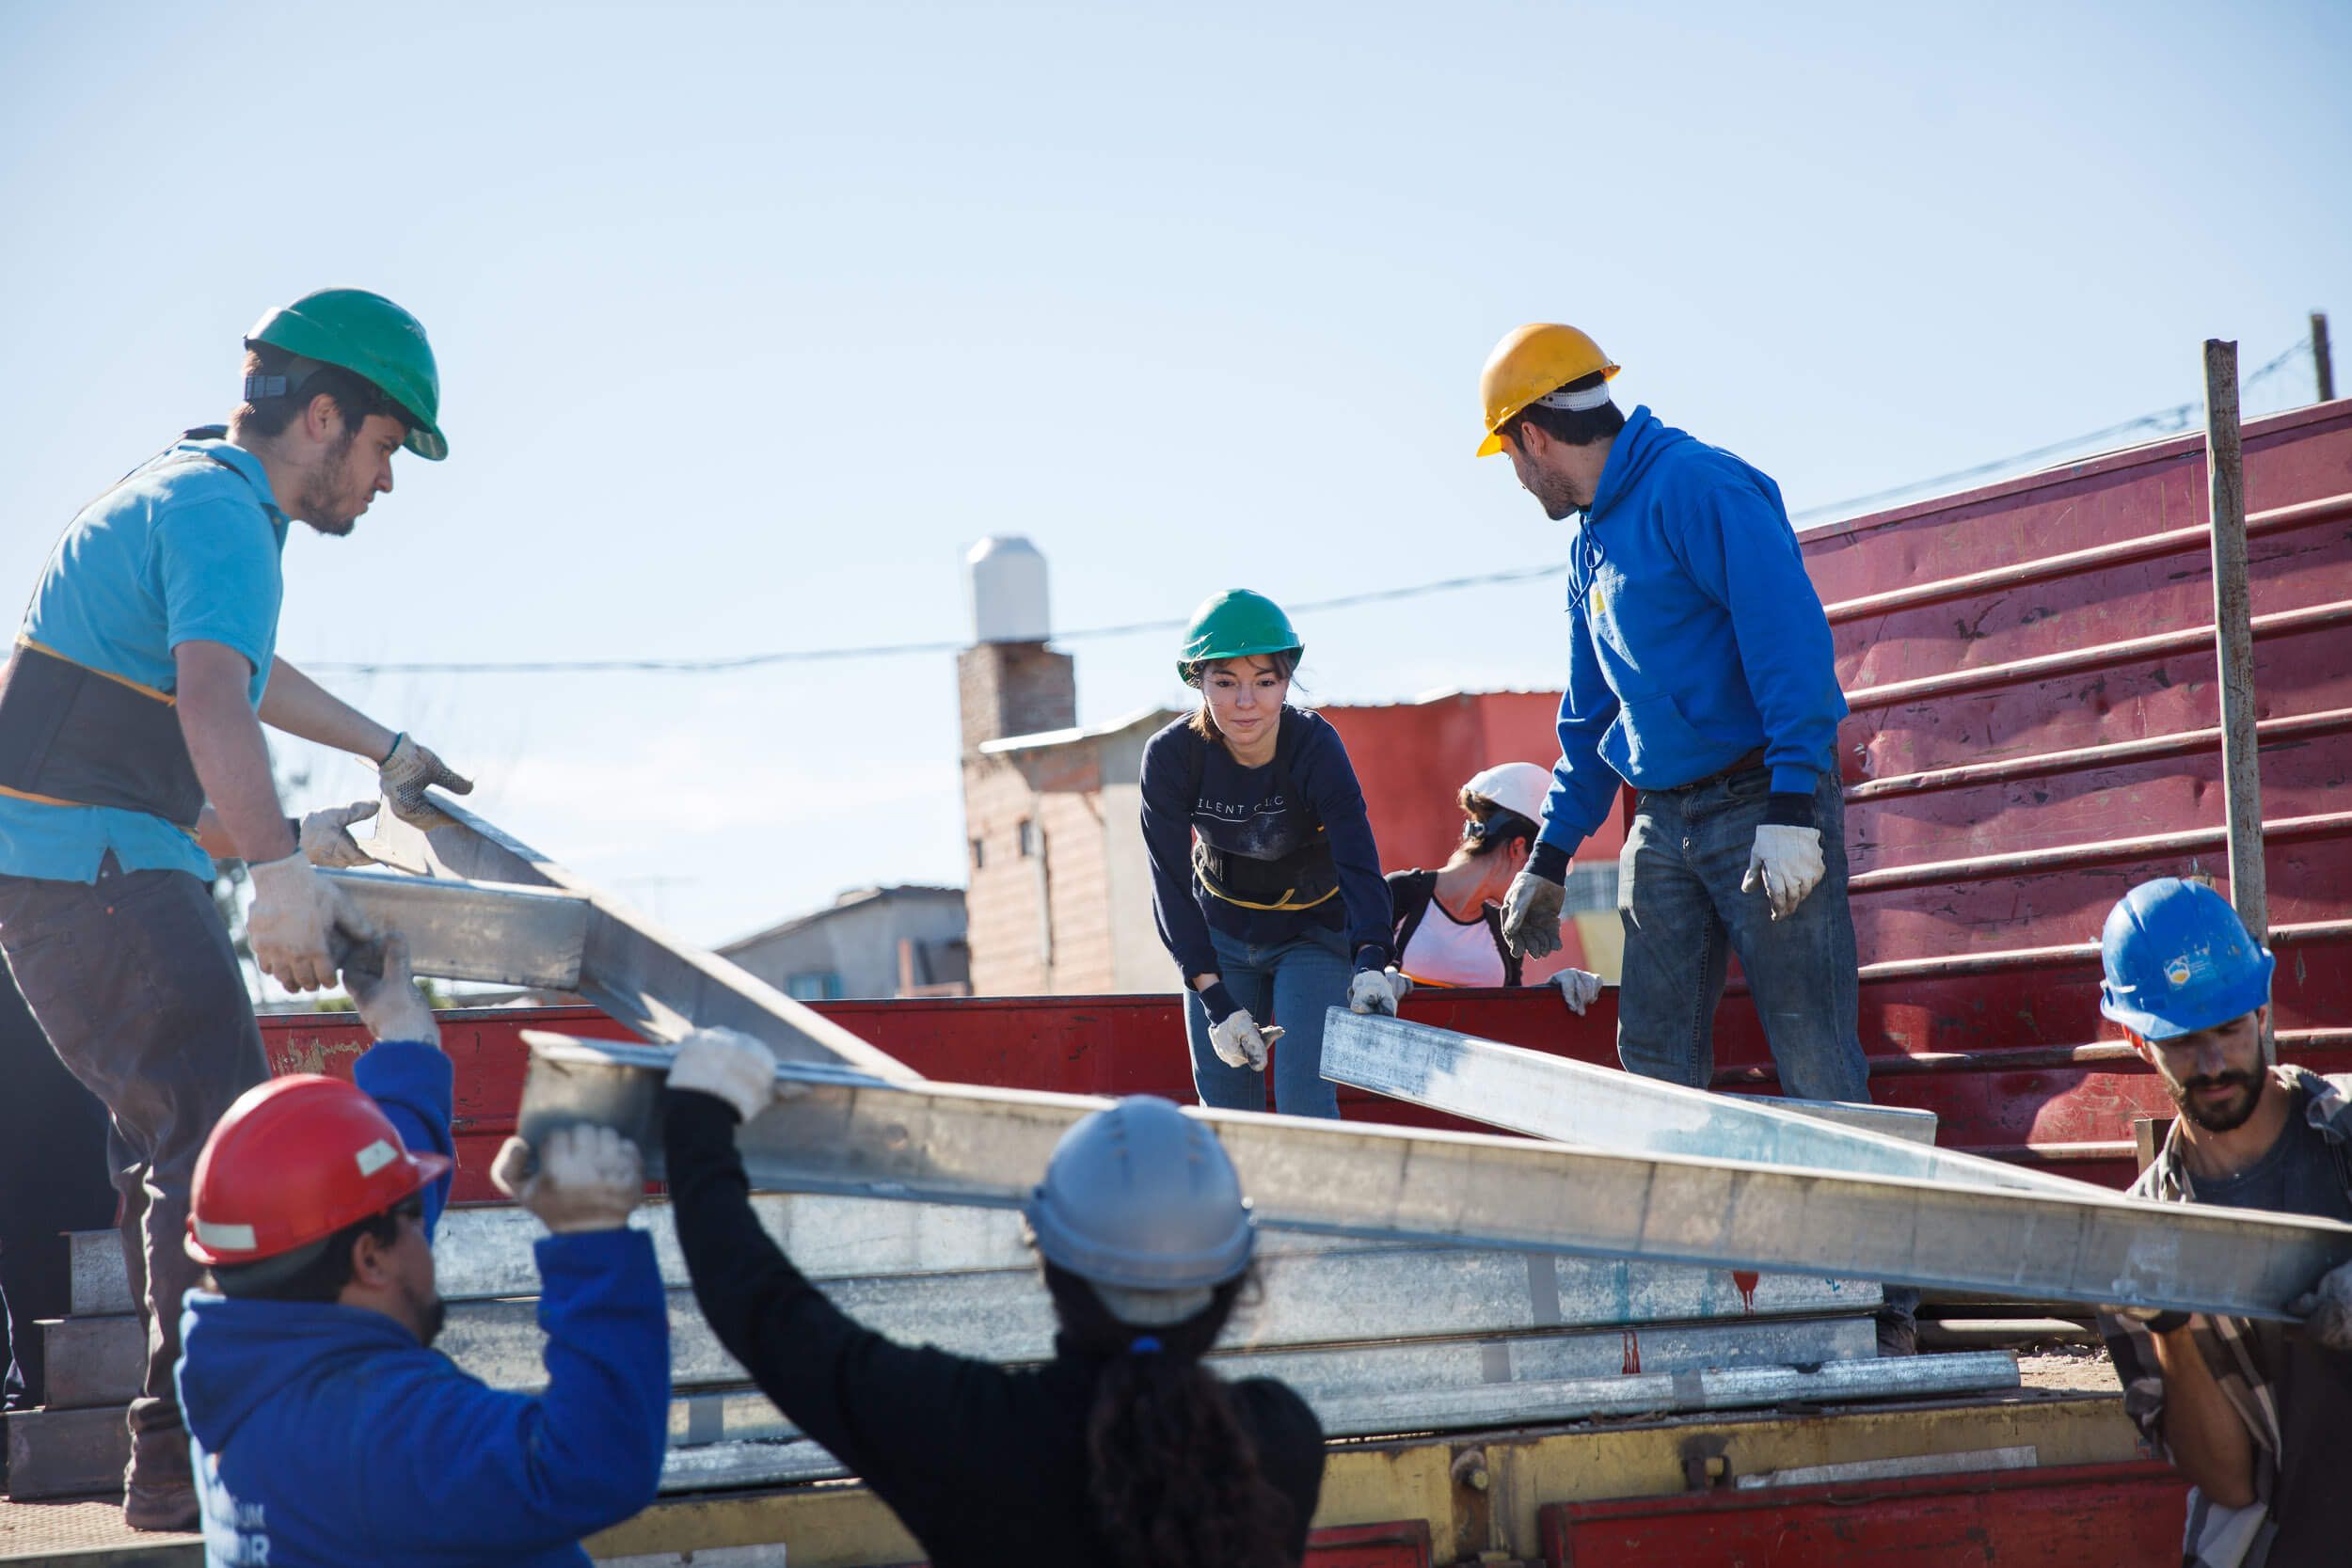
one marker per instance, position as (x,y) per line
(133,981)
(1679,896)
(1290,983)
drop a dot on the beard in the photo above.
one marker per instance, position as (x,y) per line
(321,506)
(2219,1118)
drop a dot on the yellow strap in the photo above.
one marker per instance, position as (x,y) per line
(1283,903)
(164,697)
(41,799)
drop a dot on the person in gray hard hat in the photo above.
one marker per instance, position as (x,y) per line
(1124,1449)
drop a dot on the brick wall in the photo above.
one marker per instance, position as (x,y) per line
(1008,688)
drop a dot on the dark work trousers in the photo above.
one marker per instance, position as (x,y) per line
(134,983)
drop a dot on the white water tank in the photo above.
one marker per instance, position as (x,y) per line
(1004,589)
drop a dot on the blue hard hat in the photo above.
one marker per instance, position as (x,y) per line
(1140,1196)
(2178,959)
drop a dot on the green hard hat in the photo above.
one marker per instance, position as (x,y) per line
(1235,624)
(369,335)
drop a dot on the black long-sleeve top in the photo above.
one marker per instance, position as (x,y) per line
(985,1465)
(1192,785)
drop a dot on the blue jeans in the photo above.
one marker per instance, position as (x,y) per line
(1290,983)
(1679,896)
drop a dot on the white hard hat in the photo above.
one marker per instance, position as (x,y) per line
(1519,786)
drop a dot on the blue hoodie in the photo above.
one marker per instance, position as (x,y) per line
(1696,636)
(327,1434)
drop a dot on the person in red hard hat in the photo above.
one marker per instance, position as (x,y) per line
(323,1426)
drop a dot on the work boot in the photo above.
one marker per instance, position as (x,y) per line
(1898,1334)
(160,1506)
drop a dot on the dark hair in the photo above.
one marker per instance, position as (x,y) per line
(324,1267)
(1173,1475)
(1488,825)
(1577,427)
(1285,665)
(355,397)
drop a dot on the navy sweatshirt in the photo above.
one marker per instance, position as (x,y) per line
(1242,810)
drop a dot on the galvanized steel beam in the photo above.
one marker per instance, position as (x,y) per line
(735,1463)
(657,985)
(1382,1297)
(1593,1107)
(956,1143)
(487,931)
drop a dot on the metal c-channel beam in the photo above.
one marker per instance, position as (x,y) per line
(648,980)
(956,1144)
(511,936)
(1594,1107)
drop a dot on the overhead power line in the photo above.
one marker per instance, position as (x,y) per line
(2164,421)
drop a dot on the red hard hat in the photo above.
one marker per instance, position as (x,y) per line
(294,1161)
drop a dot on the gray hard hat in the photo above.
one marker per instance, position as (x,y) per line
(1142,1203)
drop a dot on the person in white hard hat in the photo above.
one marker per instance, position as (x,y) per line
(1447,923)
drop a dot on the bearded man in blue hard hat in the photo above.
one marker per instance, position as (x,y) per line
(2257,1414)
(132,759)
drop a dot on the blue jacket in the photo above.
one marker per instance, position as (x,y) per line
(327,1434)
(1694,635)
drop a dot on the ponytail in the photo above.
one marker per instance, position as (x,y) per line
(1172,1473)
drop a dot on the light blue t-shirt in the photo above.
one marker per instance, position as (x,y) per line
(186,549)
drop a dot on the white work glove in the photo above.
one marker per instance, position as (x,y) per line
(1531,915)
(1377,991)
(1579,988)
(407,772)
(588,1178)
(293,922)
(2326,1312)
(728,1064)
(384,991)
(1239,1042)
(327,836)
(1787,863)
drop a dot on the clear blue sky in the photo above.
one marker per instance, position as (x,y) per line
(752,319)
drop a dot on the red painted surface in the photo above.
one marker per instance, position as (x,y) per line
(1745,1281)
(1632,1354)
(1402,1543)
(2061,1518)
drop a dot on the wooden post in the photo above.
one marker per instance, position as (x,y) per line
(2321,362)
(2234,643)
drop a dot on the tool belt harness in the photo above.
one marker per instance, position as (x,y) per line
(74,736)
(1301,879)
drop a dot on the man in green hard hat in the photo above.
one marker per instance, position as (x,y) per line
(131,757)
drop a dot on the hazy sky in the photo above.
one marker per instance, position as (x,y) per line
(752,319)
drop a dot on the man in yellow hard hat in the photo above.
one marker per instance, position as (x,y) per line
(131,756)
(1699,673)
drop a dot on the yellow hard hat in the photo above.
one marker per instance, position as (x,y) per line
(1531,363)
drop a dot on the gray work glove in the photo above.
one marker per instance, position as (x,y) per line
(293,922)
(2327,1311)
(1787,863)
(587,1178)
(327,836)
(1239,1041)
(1378,991)
(1579,988)
(1531,915)
(384,990)
(729,1064)
(407,772)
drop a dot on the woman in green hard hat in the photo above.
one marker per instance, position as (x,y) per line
(1265,880)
